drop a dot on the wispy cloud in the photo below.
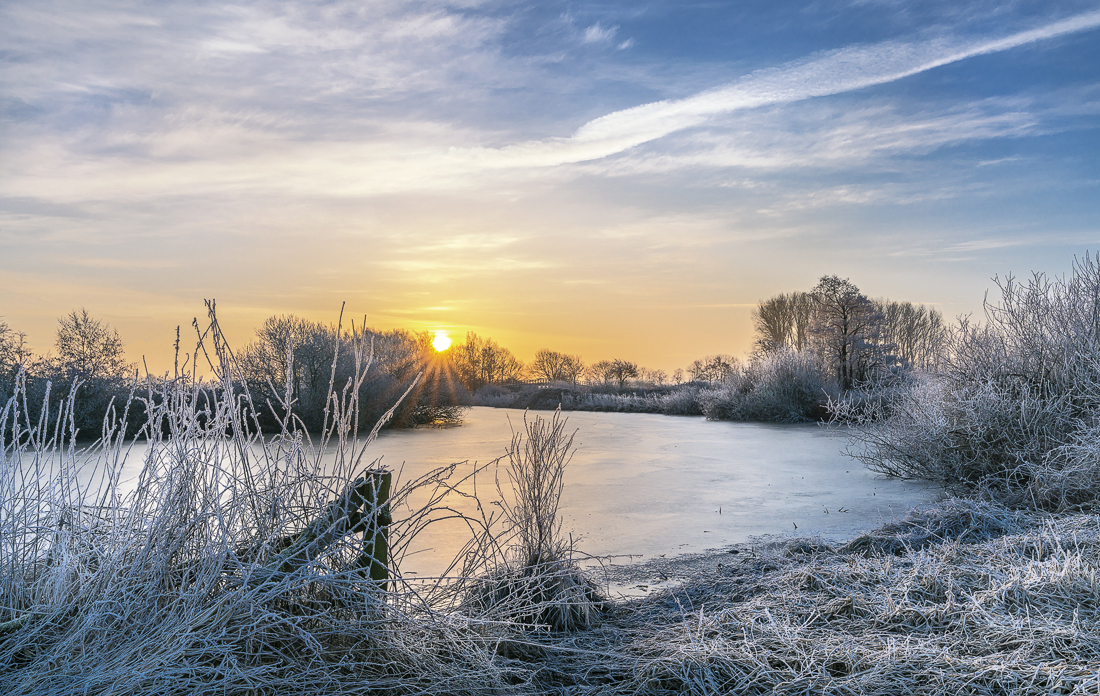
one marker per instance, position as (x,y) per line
(828,73)
(598,33)
(835,136)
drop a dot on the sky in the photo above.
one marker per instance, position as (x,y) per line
(612,179)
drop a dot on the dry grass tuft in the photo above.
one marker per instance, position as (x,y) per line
(535,580)
(955,519)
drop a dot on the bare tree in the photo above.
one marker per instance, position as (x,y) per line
(846,330)
(713,368)
(608,371)
(89,348)
(916,332)
(310,344)
(13,347)
(600,371)
(678,375)
(623,370)
(13,355)
(556,367)
(482,361)
(783,320)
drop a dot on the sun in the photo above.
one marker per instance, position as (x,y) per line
(441,342)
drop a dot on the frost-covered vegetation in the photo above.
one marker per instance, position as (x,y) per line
(960,597)
(247,564)
(244,564)
(1013,412)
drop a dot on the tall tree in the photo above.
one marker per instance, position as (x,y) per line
(783,320)
(916,332)
(846,330)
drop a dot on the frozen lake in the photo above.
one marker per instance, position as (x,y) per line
(643,485)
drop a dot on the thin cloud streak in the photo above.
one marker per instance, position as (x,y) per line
(831,73)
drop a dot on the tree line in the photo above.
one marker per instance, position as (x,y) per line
(809,347)
(287,369)
(482,361)
(854,340)
(812,349)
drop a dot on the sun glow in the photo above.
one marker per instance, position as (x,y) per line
(441,342)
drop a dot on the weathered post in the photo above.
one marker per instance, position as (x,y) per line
(364,506)
(376,547)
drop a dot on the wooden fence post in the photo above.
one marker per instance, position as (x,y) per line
(376,548)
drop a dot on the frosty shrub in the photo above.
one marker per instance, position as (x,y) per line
(782,386)
(533,578)
(1014,413)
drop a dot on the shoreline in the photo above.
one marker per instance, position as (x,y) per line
(961,597)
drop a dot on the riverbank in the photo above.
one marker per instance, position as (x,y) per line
(959,597)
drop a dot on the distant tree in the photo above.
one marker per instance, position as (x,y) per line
(90,353)
(304,347)
(401,354)
(88,348)
(713,368)
(623,370)
(13,347)
(657,377)
(13,355)
(612,371)
(600,371)
(846,331)
(553,366)
(678,376)
(783,321)
(480,361)
(917,333)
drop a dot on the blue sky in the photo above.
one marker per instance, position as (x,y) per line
(612,179)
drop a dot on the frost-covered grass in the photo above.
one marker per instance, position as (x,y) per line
(202,578)
(959,598)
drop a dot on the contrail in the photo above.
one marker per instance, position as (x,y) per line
(822,74)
